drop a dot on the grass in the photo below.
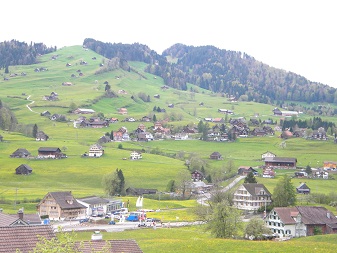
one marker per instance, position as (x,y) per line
(196,239)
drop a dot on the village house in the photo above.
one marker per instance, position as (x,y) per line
(267,154)
(61,206)
(145,136)
(19,219)
(303,188)
(180,136)
(301,221)
(268,172)
(329,165)
(121,134)
(50,152)
(23,169)
(245,170)
(197,176)
(123,111)
(280,162)
(20,153)
(94,203)
(41,136)
(319,134)
(251,197)
(135,155)
(104,139)
(96,150)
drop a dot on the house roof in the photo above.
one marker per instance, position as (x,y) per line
(20,151)
(287,214)
(7,220)
(62,199)
(215,154)
(303,186)
(280,159)
(48,149)
(92,200)
(255,189)
(24,166)
(113,246)
(312,215)
(23,238)
(141,191)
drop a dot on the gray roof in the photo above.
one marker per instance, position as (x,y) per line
(280,159)
(48,149)
(62,199)
(92,200)
(316,215)
(255,189)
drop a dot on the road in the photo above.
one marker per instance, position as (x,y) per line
(206,196)
(119,226)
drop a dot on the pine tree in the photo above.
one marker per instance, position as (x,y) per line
(250,179)
(35,130)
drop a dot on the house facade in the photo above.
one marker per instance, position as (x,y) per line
(301,221)
(251,197)
(50,152)
(135,155)
(96,150)
(303,188)
(41,136)
(61,206)
(197,176)
(94,203)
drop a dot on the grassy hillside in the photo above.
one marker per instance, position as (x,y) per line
(83,175)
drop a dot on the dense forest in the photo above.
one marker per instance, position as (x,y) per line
(20,53)
(233,73)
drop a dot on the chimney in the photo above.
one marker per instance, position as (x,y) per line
(96,236)
(20,213)
(328,215)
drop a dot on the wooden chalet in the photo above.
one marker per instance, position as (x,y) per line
(280,162)
(61,206)
(245,170)
(23,169)
(41,136)
(50,152)
(303,188)
(20,153)
(197,176)
(216,156)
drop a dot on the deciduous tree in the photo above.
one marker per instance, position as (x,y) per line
(284,193)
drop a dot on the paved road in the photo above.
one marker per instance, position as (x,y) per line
(206,196)
(76,226)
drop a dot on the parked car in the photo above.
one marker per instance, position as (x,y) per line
(153,220)
(112,223)
(84,220)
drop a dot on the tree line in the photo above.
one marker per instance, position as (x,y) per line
(20,53)
(222,71)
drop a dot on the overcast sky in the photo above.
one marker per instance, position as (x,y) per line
(297,36)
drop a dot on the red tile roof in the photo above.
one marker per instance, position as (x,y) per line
(113,246)
(23,238)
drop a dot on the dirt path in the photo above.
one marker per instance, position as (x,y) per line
(31,102)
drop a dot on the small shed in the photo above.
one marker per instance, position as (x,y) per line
(23,169)
(215,156)
(303,188)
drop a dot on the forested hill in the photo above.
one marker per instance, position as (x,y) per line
(230,72)
(20,53)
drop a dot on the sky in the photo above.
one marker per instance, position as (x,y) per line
(293,35)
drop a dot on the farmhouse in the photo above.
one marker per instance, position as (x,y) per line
(61,206)
(19,219)
(251,197)
(280,162)
(20,153)
(48,152)
(96,150)
(301,221)
(23,169)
